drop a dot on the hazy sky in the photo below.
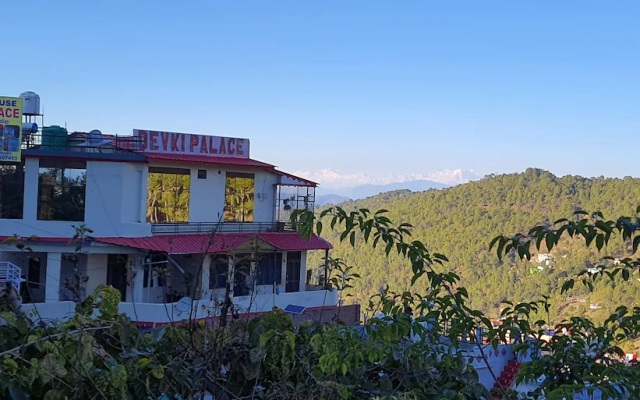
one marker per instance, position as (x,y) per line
(361,87)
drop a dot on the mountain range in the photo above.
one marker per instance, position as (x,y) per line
(339,195)
(338,186)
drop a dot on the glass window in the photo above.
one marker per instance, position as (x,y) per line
(147,278)
(243,281)
(117,273)
(61,190)
(11,191)
(218,274)
(294,260)
(34,273)
(168,195)
(270,269)
(155,270)
(239,197)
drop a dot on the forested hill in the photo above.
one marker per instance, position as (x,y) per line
(461,221)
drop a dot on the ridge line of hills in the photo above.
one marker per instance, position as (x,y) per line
(336,196)
(460,221)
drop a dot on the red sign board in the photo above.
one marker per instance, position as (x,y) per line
(194,144)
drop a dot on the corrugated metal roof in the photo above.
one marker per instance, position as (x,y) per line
(303,181)
(293,241)
(209,160)
(219,243)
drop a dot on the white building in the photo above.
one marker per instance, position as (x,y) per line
(545,258)
(178,220)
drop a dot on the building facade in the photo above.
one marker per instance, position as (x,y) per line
(184,225)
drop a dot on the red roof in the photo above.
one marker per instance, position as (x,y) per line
(197,159)
(220,243)
(293,241)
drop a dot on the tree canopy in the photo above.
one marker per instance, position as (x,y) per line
(460,221)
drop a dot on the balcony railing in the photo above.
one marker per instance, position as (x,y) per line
(220,227)
(82,142)
(9,272)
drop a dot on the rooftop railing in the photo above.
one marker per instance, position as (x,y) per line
(220,227)
(81,142)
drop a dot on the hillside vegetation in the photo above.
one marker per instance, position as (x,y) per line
(461,221)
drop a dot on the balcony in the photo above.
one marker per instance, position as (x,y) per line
(93,142)
(162,313)
(82,145)
(10,273)
(220,227)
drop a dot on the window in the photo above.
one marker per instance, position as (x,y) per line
(61,190)
(293,271)
(242,275)
(148,278)
(218,274)
(239,197)
(168,195)
(202,174)
(155,271)
(34,273)
(11,191)
(270,269)
(117,273)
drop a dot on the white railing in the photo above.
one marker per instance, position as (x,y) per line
(219,227)
(182,311)
(9,272)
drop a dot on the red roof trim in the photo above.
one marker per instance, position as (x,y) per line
(220,243)
(196,159)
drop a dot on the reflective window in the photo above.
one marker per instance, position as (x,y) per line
(239,197)
(61,190)
(11,191)
(168,195)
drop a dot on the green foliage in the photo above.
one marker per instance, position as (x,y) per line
(460,222)
(62,194)
(239,198)
(168,197)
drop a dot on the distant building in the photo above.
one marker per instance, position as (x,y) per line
(545,258)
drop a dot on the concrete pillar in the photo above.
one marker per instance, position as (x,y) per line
(52,281)
(230,275)
(253,274)
(283,272)
(96,271)
(31,176)
(137,280)
(303,271)
(142,197)
(204,277)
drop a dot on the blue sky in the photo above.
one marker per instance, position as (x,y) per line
(373,87)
